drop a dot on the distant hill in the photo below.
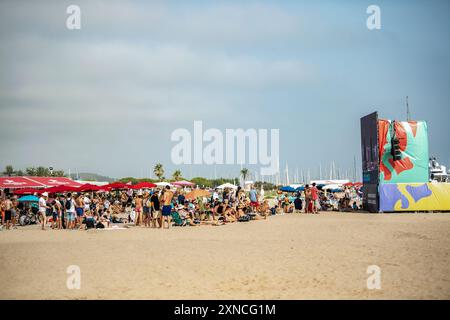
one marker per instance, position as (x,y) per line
(92,177)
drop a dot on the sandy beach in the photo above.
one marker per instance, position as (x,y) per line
(293,256)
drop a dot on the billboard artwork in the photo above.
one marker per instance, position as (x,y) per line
(412,143)
(414,197)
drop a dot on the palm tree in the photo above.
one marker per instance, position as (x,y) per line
(59,173)
(177,175)
(9,171)
(244,173)
(31,171)
(158,170)
(42,172)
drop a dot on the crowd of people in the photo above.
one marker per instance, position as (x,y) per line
(165,207)
(312,200)
(157,208)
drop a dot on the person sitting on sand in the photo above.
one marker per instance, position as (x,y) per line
(185,216)
(287,205)
(264,209)
(229,215)
(218,210)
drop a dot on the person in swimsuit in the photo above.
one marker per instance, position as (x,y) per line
(146,209)
(8,206)
(167,207)
(138,202)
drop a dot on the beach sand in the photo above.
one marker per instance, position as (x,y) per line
(294,256)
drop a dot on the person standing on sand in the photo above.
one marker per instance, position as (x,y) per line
(167,207)
(2,212)
(8,212)
(70,212)
(138,209)
(86,204)
(253,198)
(79,208)
(123,200)
(181,198)
(43,208)
(307,199)
(155,209)
(146,209)
(62,217)
(315,198)
(58,209)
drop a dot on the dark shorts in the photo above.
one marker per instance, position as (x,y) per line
(146,210)
(79,212)
(166,211)
(55,216)
(7,215)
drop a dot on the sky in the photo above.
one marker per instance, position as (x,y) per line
(106,98)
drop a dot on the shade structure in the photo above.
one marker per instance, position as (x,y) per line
(55,181)
(116,185)
(183,183)
(19,183)
(143,185)
(288,189)
(163,184)
(27,191)
(102,189)
(348,184)
(61,189)
(333,187)
(89,187)
(227,185)
(197,193)
(29,199)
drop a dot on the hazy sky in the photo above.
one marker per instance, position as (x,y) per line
(106,98)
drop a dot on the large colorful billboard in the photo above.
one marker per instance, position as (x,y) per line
(413,144)
(414,197)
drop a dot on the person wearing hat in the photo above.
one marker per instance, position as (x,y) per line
(43,208)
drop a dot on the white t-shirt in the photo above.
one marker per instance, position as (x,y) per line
(87,202)
(42,205)
(72,205)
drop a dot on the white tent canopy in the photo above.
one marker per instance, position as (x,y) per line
(332,187)
(330,182)
(163,184)
(227,185)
